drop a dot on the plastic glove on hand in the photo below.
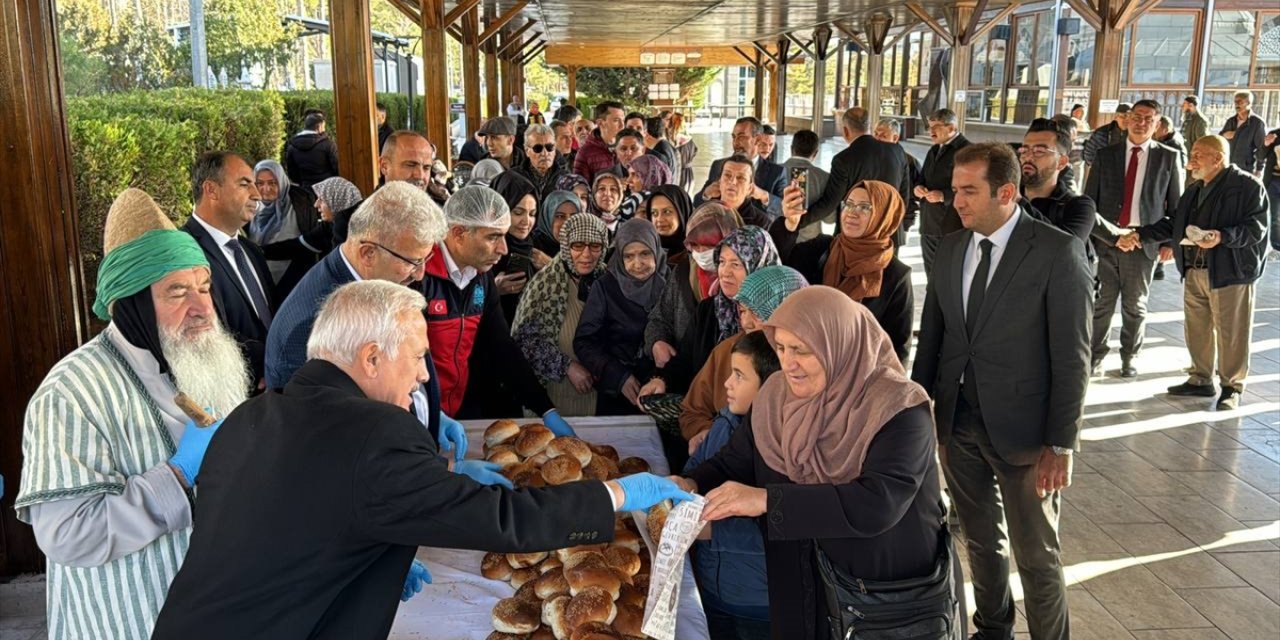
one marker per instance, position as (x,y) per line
(453,437)
(643,490)
(191,449)
(418,576)
(485,473)
(556,424)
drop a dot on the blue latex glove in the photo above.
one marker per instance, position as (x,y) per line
(453,437)
(485,473)
(556,424)
(643,490)
(418,576)
(195,441)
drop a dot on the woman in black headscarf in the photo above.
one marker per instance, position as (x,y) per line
(514,269)
(669,208)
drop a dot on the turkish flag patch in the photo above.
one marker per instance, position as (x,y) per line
(437,308)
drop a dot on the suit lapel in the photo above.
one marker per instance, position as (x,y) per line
(216,256)
(1020,244)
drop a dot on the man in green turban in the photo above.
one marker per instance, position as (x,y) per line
(109,459)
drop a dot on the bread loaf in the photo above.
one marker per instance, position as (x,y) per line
(501,432)
(533,439)
(512,615)
(592,605)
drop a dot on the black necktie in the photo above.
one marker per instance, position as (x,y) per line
(250,282)
(977,291)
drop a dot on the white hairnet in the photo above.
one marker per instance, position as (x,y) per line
(485,171)
(476,206)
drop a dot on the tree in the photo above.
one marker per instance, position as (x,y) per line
(630,85)
(241,35)
(102,54)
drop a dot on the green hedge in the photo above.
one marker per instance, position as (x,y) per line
(297,102)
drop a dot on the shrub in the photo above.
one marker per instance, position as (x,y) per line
(297,102)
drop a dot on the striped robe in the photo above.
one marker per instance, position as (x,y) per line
(90,426)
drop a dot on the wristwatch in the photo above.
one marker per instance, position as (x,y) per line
(1061,451)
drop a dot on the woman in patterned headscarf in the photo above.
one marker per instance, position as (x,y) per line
(646,173)
(551,308)
(575,183)
(555,209)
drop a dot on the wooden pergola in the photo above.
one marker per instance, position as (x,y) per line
(43,310)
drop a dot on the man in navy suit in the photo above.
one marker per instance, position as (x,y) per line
(769,178)
(226,200)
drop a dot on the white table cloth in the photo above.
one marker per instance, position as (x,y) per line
(457,605)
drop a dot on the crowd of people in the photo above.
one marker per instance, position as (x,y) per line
(567,267)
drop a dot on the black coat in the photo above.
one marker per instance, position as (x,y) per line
(1270,172)
(302,253)
(768,176)
(310,158)
(894,308)
(313,503)
(609,341)
(1072,213)
(864,159)
(472,151)
(232,302)
(885,525)
(1238,209)
(940,218)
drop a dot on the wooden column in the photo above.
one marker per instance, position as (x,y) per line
(572,73)
(780,85)
(354,101)
(491,83)
(873,79)
(759,94)
(43,311)
(471,69)
(821,50)
(435,72)
(773,89)
(959,17)
(1110,18)
(508,82)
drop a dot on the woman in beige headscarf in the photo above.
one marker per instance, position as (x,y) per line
(836,454)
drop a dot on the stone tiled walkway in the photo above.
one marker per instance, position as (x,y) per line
(1171,529)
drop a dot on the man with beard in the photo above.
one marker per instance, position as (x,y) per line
(768,178)
(543,165)
(766,142)
(1247,134)
(1044,154)
(407,156)
(103,486)
(938,215)
(464,316)
(392,235)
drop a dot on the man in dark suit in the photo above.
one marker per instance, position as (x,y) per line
(314,500)
(1134,183)
(226,200)
(890,130)
(1004,353)
(769,177)
(864,159)
(937,214)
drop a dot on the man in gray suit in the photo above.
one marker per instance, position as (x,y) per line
(1134,183)
(804,150)
(1004,352)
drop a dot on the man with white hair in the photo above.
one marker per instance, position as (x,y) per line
(103,485)
(392,235)
(314,500)
(543,167)
(464,312)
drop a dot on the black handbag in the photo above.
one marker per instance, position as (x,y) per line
(924,608)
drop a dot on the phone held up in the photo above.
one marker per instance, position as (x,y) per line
(800,176)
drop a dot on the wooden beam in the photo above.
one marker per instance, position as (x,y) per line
(765,50)
(620,55)
(471,69)
(1086,11)
(997,19)
(502,20)
(517,53)
(460,10)
(572,73)
(354,101)
(533,53)
(435,57)
(744,55)
(854,36)
(456,33)
(1129,12)
(901,34)
(922,13)
(407,8)
(803,47)
(43,305)
(515,37)
(966,37)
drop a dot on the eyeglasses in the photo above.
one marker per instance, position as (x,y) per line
(1141,119)
(579,247)
(416,264)
(542,148)
(859,208)
(1035,151)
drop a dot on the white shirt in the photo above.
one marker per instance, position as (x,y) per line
(460,276)
(354,274)
(973,256)
(1135,214)
(221,239)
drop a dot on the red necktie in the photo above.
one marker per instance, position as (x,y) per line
(1130,179)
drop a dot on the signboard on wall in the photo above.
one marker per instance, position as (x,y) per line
(675,58)
(1108,106)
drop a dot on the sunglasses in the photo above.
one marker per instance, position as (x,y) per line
(542,148)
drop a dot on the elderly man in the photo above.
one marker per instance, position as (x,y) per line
(735,188)
(768,178)
(103,486)
(407,156)
(315,499)
(938,215)
(1247,133)
(1221,227)
(890,130)
(392,234)
(866,158)
(595,149)
(464,314)
(543,166)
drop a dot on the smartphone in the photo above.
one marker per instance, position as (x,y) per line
(800,175)
(519,264)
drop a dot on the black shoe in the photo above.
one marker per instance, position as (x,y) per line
(1159,274)
(1197,390)
(1127,370)
(1230,399)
